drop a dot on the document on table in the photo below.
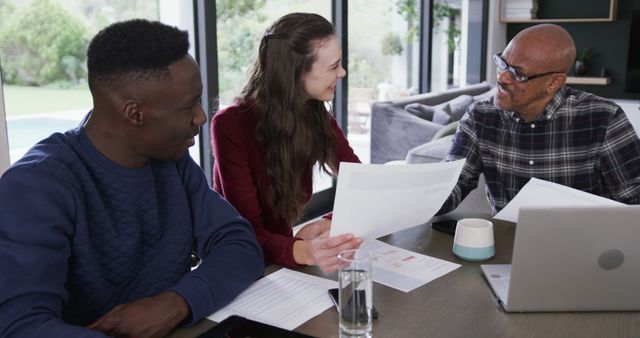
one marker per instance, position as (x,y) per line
(374,200)
(402,269)
(541,193)
(285,299)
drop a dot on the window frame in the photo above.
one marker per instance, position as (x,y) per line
(4,138)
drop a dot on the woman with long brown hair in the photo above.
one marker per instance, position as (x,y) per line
(267,143)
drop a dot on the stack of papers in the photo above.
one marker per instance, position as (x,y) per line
(285,299)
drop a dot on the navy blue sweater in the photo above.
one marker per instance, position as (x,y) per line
(80,234)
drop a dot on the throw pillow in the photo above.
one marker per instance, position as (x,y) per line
(486,95)
(420,110)
(458,106)
(440,114)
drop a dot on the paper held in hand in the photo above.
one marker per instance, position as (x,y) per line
(541,193)
(374,200)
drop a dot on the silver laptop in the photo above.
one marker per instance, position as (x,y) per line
(571,259)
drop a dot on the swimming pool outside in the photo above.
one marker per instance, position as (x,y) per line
(27,130)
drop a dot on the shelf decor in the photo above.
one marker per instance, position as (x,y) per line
(613,9)
(587,80)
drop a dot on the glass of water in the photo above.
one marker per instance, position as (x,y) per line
(355,293)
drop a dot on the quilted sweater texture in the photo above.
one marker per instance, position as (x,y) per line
(80,234)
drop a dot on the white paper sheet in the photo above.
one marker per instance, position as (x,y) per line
(285,299)
(374,200)
(402,269)
(541,193)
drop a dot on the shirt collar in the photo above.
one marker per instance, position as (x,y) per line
(550,111)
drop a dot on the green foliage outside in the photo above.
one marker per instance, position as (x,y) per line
(440,12)
(391,44)
(42,44)
(229,9)
(408,9)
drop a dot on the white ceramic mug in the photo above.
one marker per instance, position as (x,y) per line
(474,239)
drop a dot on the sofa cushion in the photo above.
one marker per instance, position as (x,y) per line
(420,110)
(458,106)
(430,152)
(448,129)
(441,115)
(486,95)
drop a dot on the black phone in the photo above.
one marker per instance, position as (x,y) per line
(333,293)
(240,327)
(448,227)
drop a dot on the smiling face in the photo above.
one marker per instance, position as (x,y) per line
(172,112)
(319,82)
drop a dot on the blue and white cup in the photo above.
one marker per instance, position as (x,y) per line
(473,240)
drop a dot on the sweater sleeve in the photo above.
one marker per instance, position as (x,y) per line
(231,257)
(344,152)
(238,184)
(36,224)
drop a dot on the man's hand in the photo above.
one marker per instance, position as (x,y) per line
(145,318)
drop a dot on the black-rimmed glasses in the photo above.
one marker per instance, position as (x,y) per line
(514,72)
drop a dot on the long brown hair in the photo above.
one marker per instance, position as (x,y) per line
(295,131)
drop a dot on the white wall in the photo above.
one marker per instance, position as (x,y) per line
(4,142)
(496,38)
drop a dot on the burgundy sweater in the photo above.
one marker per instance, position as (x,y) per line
(239,174)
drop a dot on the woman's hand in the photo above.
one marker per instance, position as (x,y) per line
(314,229)
(323,250)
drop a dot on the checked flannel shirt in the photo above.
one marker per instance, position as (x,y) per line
(580,140)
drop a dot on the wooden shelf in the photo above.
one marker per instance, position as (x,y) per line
(613,9)
(584,80)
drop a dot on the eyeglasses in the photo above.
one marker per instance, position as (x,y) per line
(514,72)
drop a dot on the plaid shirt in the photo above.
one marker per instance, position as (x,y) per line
(580,140)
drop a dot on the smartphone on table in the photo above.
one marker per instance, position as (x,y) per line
(333,293)
(448,227)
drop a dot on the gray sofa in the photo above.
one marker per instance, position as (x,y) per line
(402,124)
(404,133)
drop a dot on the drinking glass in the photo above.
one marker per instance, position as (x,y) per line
(355,293)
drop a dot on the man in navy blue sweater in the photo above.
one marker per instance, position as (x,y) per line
(97,225)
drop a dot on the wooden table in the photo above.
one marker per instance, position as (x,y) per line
(459,304)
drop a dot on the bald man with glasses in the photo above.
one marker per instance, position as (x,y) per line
(536,126)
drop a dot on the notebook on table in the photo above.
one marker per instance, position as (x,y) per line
(571,259)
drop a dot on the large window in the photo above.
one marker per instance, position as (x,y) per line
(240,25)
(456,43)
(383,61)
(43,58)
